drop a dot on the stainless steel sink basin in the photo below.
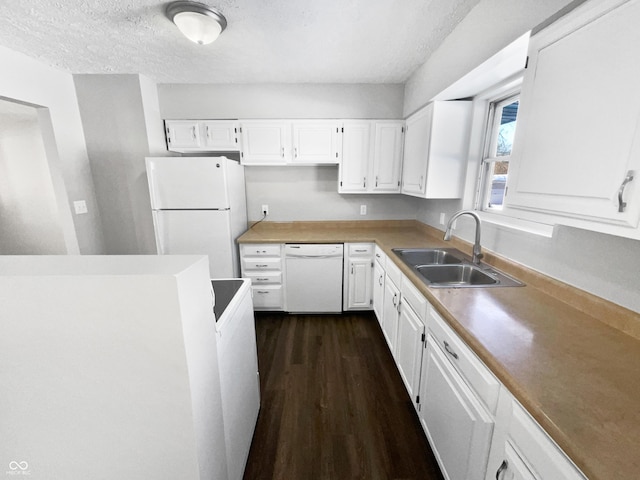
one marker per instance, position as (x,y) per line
(455,275)
(429,256)
(450,268)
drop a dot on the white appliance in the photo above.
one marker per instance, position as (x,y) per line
(199,207)
(314,278)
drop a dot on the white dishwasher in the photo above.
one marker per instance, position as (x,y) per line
(313,277)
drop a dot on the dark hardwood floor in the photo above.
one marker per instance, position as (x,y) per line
(333,404)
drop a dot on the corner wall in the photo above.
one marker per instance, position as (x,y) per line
(31,82)
(120,115)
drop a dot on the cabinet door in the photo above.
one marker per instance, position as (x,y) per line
(458,428)
(354,164)
(360,284)
(265,142)
(387,158)
(378,291)
(416,152)
(578,133)
(183,134)
(390,315)
(315,143)
(220,135)
(409,348)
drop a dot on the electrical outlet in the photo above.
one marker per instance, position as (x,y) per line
(442,218)
(363,209)
(265,210)
(80,207)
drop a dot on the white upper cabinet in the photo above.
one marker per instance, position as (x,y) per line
(290,142)
(202,135)
(220,135)
(356,148)
(265,142)
(316,142)
(435,150)
(183,135)
(387,156)
(578,139)
(371,156)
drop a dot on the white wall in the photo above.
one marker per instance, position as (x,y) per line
(30,81)
(29,220)
(122,126)
(604,265)
(488,28)
(296,193)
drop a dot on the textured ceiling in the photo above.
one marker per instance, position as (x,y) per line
(291,41)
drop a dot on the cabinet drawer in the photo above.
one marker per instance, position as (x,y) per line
(541,452)
(267,296)
(260,250)
(380,256)
(414,298)
(267,263)
(475,373)
(264,278)
(393,272)
(360,249)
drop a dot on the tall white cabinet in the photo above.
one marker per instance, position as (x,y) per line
(576,155)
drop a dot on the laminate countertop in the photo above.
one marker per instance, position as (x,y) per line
(571,359)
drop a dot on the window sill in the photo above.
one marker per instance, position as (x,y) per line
(512,223)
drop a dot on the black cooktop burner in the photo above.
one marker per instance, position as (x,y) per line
(224,291)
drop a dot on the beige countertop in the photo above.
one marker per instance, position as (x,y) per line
(571,359)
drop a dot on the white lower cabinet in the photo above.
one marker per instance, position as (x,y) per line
(521,449)
(410,338)
(262,263)
(378,290)
(457,425)
(390,312)
(358,276)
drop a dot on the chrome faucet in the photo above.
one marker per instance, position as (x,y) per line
(477,251)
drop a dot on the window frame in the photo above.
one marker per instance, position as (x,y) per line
(495,104)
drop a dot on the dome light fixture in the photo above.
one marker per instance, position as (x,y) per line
(198,22)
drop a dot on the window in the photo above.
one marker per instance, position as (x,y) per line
(501,130)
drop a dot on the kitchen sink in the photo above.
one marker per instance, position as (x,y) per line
(455,275)
(429,256)
(450,268)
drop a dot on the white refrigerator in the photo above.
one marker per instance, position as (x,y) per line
(199,207)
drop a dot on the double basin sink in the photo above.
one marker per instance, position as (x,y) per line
(450,268)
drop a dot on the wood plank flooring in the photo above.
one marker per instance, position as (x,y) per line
(333,404)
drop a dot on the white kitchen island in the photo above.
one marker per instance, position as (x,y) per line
(109,368)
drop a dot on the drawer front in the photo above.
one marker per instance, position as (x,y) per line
(548,460)
(267,263)
(393,272)
(264,278)
(413,297)
(465,361)
(260,250)
(380,256)
(268,296)
(361,249)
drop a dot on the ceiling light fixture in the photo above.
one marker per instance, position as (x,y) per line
(198,22)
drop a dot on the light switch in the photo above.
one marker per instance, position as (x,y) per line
(80,206)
